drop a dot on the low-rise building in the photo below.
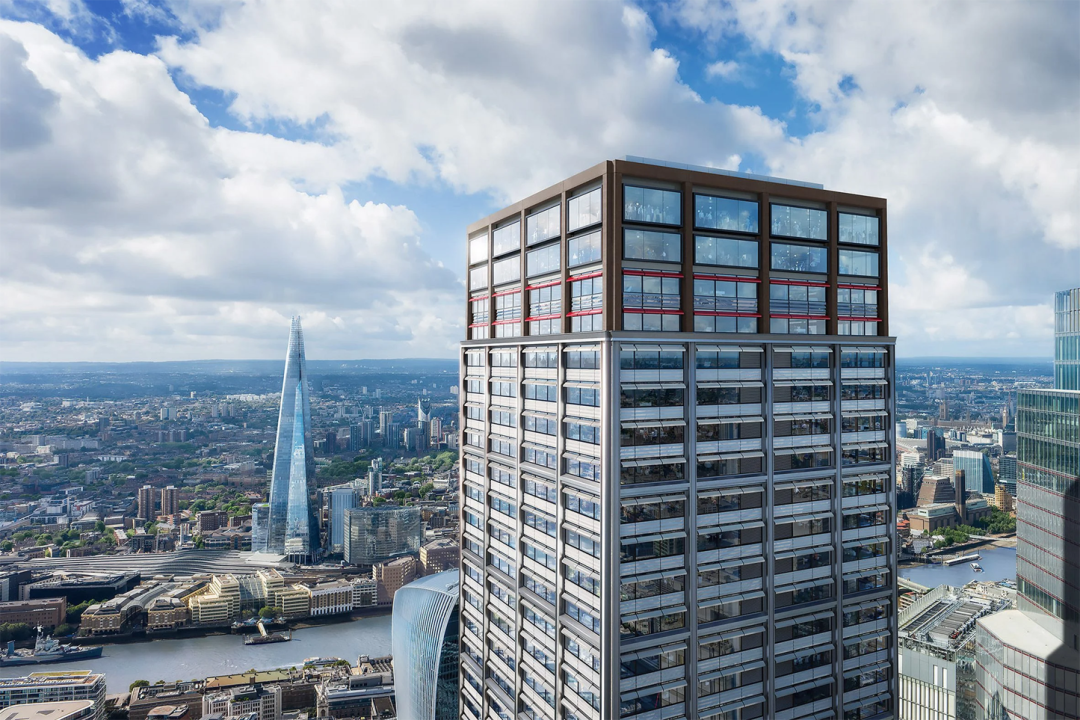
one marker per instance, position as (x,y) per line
(47,612)
(152,699)
(330,598)
(73,710)
(294,602)
(352,696)
(259,701)
(365,592)
(61,686)
(166,613)
(210,520)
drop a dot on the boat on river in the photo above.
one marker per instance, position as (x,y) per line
(976,567)
(46,650)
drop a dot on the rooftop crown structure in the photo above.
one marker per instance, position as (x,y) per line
(291,528)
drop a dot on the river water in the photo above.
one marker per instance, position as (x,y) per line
(997,564)
(190,658)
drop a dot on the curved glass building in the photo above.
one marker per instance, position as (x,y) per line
(377,534)
(424,636)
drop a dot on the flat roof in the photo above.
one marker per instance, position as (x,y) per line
(1016,628)
(46,710)
(719,171)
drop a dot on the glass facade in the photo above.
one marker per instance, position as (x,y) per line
(978,473)
(377,534)
(425,639)
(1067,339)
(292,527)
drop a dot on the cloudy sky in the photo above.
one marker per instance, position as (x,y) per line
(178,178)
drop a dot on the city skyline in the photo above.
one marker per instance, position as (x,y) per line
(180,201)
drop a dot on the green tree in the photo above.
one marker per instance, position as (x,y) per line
(7,546)
(378,500)
(138,683)
(63,629)
(267,612)
(100,527)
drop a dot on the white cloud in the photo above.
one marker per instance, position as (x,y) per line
(723,69)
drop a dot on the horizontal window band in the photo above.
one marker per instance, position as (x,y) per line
(857,318)
(733,419)
(880,697)
(579,313)
(730,348)
(803,283)
(872,476)
(803,348)
(644,311)
(865,446)
(792,519)
(804,551)
(731,456)
(865,381)
(506,292)
(732,384)
(638,347)
(534,446)
(734,563)
(806,585)
(538,381)
(650,652)
(807,381)
(866,509)
(631,424)
(538,286)
(714,313)
(651,499)
(883,570)
(803,652)
(874,350)
(788,622)
(653,386)
(813,416)
(582,348)
(476,325)
(506,322)
(586,276)
(795,451)
(883,665)
(728,492)
(800,317)
(477,298)
(748,525)
(727,278)
(655,537)
(652,273)
(553,316)
(732,598)
(724,672)
(866,413)
(582,384)
(809,685)
(866,605)
(650,462)
(649,614)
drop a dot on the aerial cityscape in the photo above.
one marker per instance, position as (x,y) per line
(527,361)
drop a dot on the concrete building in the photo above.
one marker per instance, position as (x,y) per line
(295,602)
(425,648)
(208,521)
(331,598)
(48,612)
(365,592)
(170,500)
(392,576)
(439,555)
(146,503)
(74,710)
(937,653)
(677,425)
(253,702)
(52,687)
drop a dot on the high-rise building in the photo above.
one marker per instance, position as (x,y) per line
(424,635)
(170,500)
(146,503)
(1067,339)
(375,476)
(1007,473)
(377,534)
(260,525)
(292,528)
(423,409)
(1028,659)
(386,418)
(339,499)
(978,472)
(677,452)
(935,445)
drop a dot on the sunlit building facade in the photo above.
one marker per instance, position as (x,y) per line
(424,636)
(380,533)
(1067,339)
(677,452)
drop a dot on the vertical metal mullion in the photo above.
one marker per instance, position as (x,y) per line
(690,413)
(767,552)
(609,532)
(837,530)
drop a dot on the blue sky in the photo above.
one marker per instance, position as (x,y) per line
(192,173)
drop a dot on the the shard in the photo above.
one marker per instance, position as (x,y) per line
(291,526)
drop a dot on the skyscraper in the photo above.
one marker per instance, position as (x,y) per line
(291,525)
(339,499)
(377,534)
(146,503)
(424,636)
(677,452)
(1067,339)
(979,474)
(1028,660)
(170,501)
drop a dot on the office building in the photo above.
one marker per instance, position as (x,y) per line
(423,410)
(339,499)
(47,612)
(170,500)
(439,556)
(146,503)
(375,476)
(935,445)
(377,534)
(677,461)
(1067,339)
(424,635)
(292,526)
(392,576)
(1028,659)
(250,702)
(978,473)
(55,687)
(260,526)
(74,710)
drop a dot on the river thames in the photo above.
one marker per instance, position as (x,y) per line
(200,657)
(997,563)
